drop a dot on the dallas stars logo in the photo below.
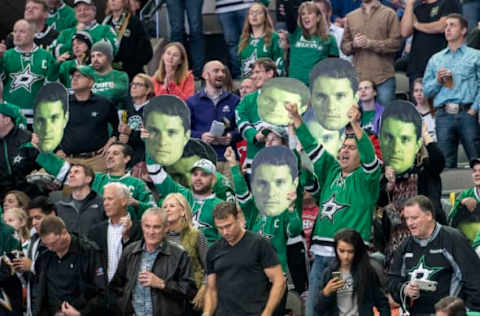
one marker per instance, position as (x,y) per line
(331,207)
(249,62)
(24,79)
(17,159)
(198,223)
(422,271)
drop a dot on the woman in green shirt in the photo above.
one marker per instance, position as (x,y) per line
(310,43)
(259,40)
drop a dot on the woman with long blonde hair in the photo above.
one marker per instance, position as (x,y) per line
(173,76)
(135,49)
(310,43)
(182,232)
(258,40)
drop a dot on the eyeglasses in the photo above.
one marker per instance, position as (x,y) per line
(137,84)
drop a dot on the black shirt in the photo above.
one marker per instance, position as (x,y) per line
(87,127)
(243,287)
(425,45)
(135,122)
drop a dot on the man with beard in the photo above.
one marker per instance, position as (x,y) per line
(201,198)
(214,104)
(109,83)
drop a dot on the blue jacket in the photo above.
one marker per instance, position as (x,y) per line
(203,112)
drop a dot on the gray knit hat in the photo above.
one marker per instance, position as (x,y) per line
(105,48)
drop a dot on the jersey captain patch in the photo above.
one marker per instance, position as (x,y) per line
(422,271)
(24,79)
(331,207)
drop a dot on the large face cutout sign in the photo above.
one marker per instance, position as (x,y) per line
(167,120)
(50,115)
(278,92)
(274,176)
(400,135)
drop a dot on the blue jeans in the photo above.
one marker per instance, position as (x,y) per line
(232,24)
(452,128)
(471,12)
(386,91)
(176,14)
(314,282)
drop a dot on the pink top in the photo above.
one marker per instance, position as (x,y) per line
(184,90)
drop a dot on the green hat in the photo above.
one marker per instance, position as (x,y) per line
(14,113)
(206,165)
(277,130)
(84,70)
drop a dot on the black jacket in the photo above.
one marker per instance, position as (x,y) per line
(172,265)
(80,221)
(90,275)
(135,49)
(373,296)
(99,234)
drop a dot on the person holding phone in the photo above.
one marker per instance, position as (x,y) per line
(343,292)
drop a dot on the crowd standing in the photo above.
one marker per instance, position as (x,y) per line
(174,193)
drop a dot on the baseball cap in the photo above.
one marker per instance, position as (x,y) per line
(84,70)
(474,161)
(277,130)
(205,165)
(13,111)
(83,1)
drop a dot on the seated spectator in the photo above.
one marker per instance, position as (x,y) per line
(371,110)
(81,46)
(15,199)
(83,208)
(214,105)
(173,76)
(24,79)
(154,276)
(350,284)
(454,268)
(247,86)
(71,274)
(450,306)
(135,49)
(465,213)
(176,13)
(60,16)
(85,12)
(141,91)
(108,82)
(181,231)
(424,107)
(18,220)
(36,12)
(334,29)
(37,210)
(113,235)
(259,40)
(86,137)
(309,43)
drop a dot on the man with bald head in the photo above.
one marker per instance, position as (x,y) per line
(25,68)
(214,105)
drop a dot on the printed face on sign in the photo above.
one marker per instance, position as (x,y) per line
(274,178)
(278,92)
(50,115)
(400,135)
(167,120)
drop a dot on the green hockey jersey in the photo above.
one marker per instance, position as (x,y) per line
(249,124)
(23,74)
(345,202)
(59,168)
(64,74)
(275,228)
(256,49)
(223,188)
(460,217)
(62,18)
(113,86)
(98,32)
(202,208)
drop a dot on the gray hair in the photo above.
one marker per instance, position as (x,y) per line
(121,189)
(156,211)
